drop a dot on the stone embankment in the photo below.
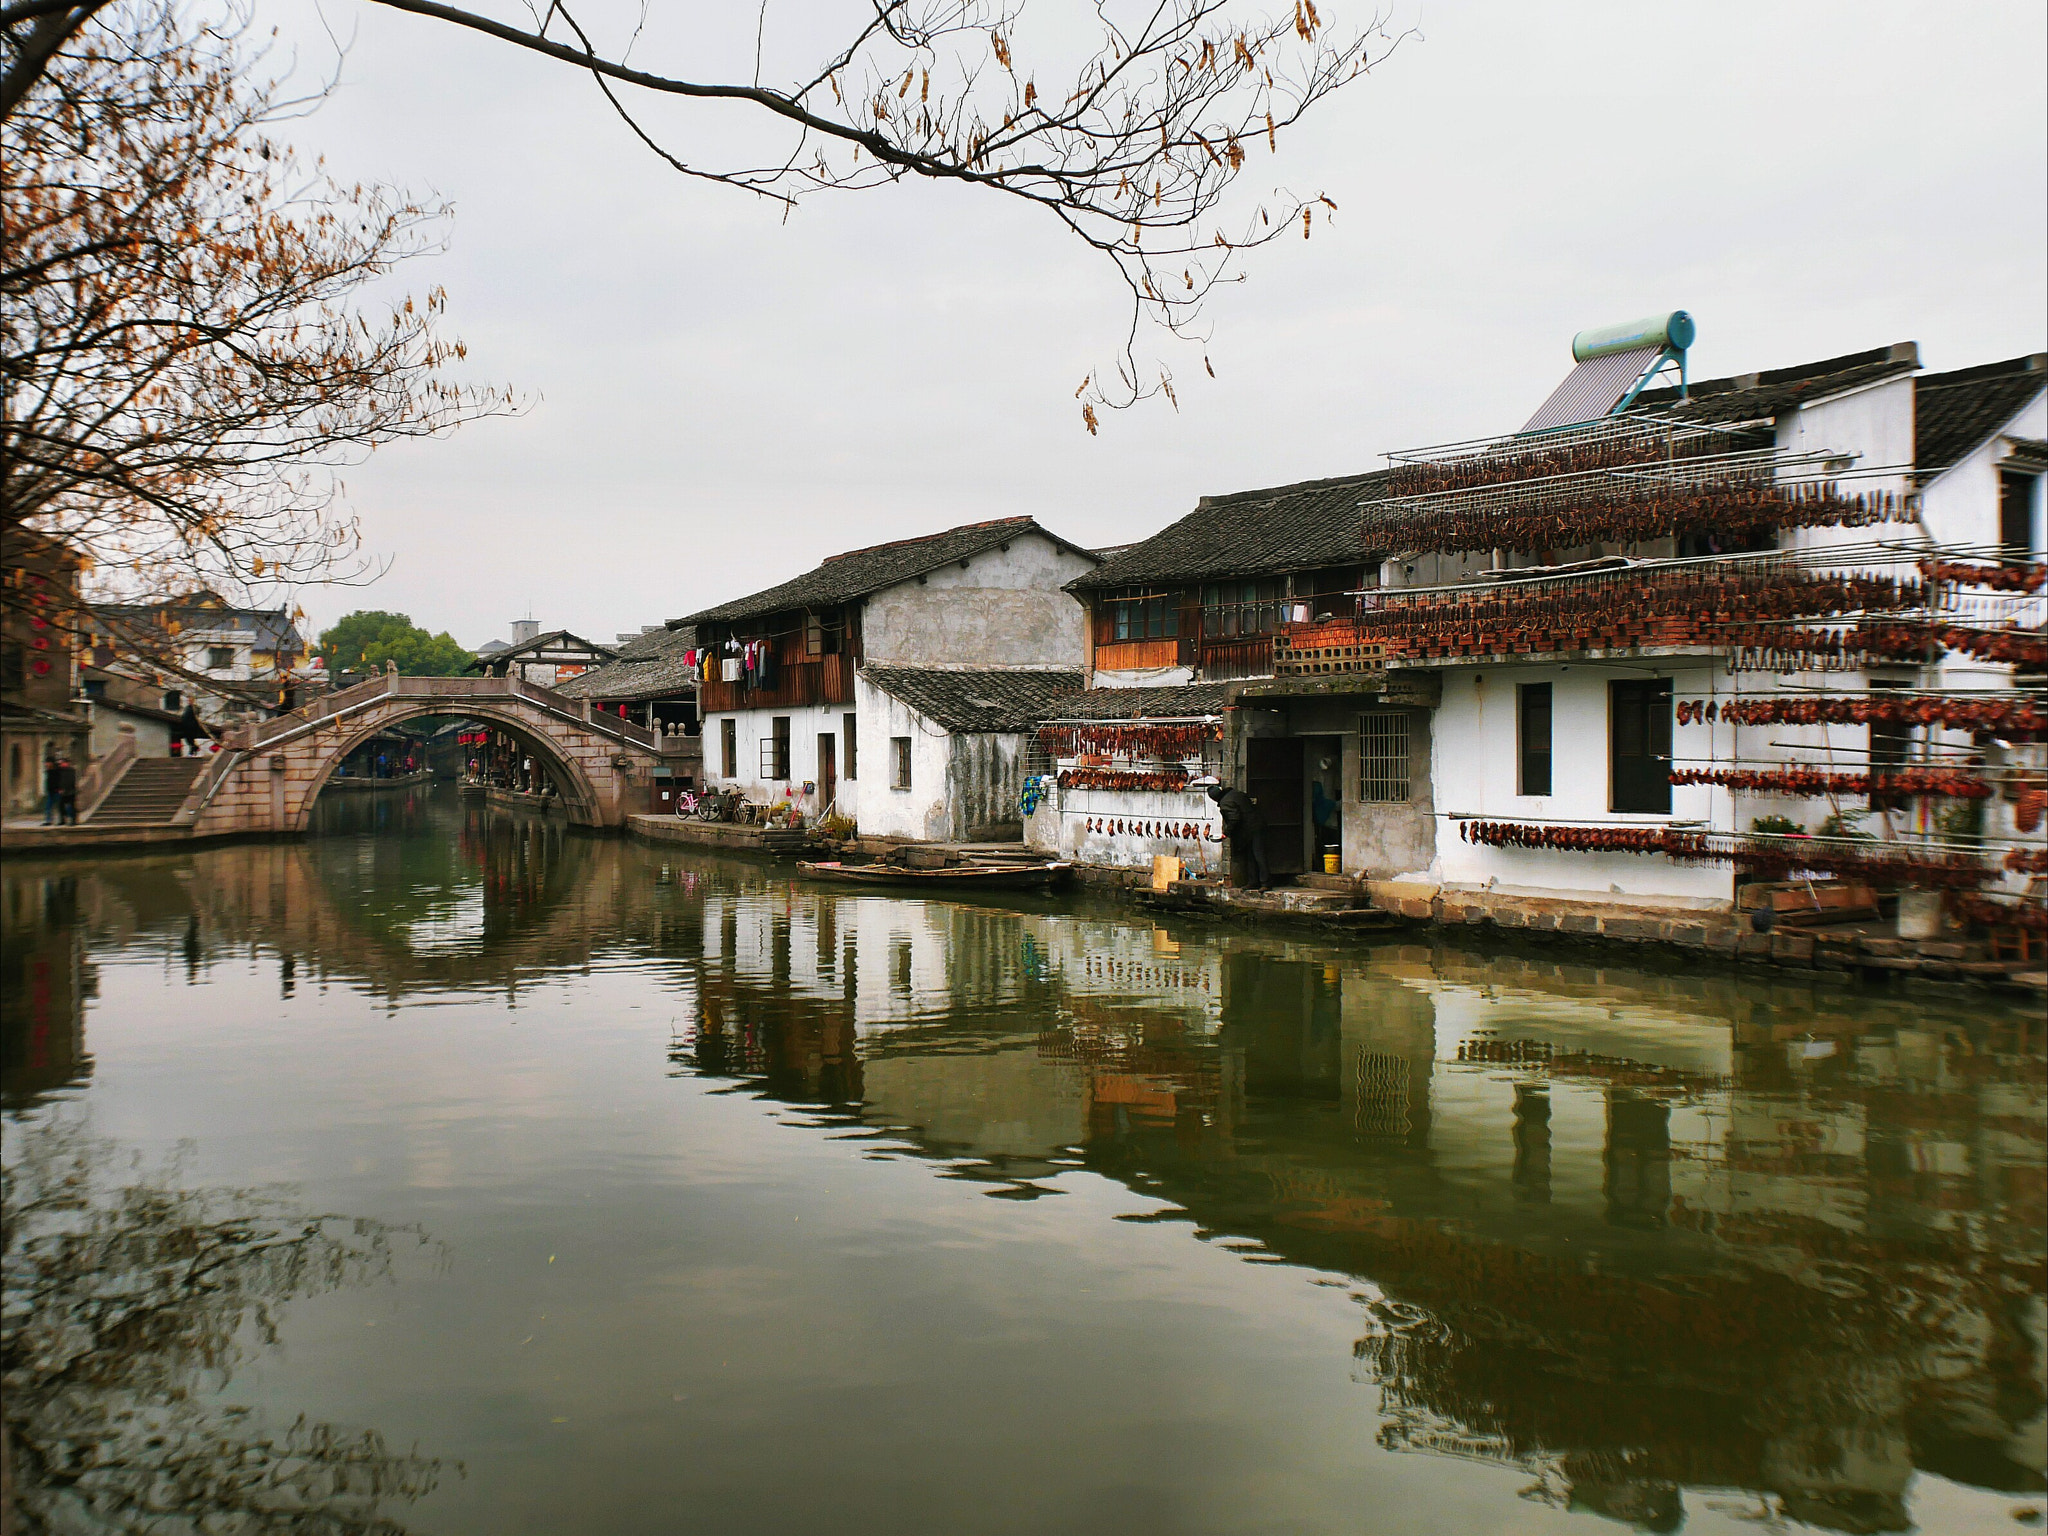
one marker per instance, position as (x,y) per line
(1871,952)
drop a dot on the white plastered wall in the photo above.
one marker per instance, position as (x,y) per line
(922,810)
(1001,608)
(806,724)
(1475,764)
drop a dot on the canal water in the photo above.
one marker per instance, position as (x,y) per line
(461,1171)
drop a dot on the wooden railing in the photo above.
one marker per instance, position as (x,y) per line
(827,680)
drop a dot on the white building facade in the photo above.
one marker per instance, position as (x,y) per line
(787,714)
(1407,704)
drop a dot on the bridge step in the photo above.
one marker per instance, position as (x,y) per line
(149,793)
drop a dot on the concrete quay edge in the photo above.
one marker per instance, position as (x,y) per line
(1705,935)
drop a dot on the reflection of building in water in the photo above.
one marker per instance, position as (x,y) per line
(44,985)
(1630,1234)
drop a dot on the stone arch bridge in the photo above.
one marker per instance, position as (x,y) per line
(266,777)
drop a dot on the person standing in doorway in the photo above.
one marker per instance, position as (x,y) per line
(51,799)
(1244,824)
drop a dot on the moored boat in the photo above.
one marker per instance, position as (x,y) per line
(968,876)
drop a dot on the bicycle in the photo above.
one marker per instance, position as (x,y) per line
(711,805)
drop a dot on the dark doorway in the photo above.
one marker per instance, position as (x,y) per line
(1324,774)
(1639,741)
(828,770)
(1274,777)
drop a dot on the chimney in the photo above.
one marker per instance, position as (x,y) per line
(524,630)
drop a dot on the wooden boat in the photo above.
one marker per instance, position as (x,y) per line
(338,785)
(956,877)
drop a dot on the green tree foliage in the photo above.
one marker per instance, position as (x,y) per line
(366,639)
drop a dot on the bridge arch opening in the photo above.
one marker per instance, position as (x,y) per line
(579,796)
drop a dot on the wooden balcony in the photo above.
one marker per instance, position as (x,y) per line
(1243,656)
(1139,655)
(825,680)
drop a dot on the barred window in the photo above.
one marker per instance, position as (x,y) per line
(1383,756)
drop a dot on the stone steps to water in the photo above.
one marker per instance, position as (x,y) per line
(149,793)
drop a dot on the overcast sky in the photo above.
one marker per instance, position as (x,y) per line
(723,398)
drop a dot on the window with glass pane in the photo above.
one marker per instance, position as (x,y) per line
(1145,616)
(1533,701)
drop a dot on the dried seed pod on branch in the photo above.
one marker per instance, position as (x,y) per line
(195,335)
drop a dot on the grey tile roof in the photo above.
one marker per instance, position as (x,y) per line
(860,571)
(1319,522)
(975,699)
(554,639)
(1247,533)
(1185,701)
(649,666)
(1762,396)
(1954,413)
(273,627)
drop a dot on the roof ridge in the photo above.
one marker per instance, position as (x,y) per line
(2011,367)
(1268,493)
(1904,354)
(926,538)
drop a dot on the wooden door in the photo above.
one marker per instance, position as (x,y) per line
(1274,777)
(1639,746)
(828,770)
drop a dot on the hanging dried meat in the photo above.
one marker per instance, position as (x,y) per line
(1623,510)
(2027,915)
(2000,714)
(1669,605)
(1773,858)
(1134,740)
(1945,783)
(1774,648)
(1166,779)
(1993,578)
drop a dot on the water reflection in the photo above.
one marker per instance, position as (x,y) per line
(1637,1238)
(128,1295)
(1613,1233)
(45,981)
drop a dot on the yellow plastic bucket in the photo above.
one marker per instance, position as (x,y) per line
(1330,863)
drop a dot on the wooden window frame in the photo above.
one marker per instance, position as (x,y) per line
(899,751)
(775,750)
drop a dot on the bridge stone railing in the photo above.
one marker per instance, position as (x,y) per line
(455,690)
(268,777)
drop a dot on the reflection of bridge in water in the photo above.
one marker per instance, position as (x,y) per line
(1630,1234)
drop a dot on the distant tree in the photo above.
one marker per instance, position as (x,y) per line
(1125,120)
(363,641)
